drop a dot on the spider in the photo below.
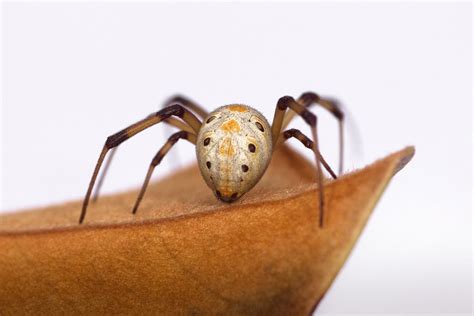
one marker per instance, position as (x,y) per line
(234,143)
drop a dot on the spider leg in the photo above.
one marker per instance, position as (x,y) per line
(288,102)
(102,175)
(185,102)
(173,139)
(171,121)
(310,98)
(121,136)
(307,143)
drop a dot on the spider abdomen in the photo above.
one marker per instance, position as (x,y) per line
(234,148)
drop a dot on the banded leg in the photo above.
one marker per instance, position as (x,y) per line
(308,144)
(288,102)
(118,138)
(308,99)
(159,156)
(191,105)
(185,102)
(171,121)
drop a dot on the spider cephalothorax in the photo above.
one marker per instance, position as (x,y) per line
(234,143)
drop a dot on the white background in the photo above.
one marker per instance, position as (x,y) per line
(75,73)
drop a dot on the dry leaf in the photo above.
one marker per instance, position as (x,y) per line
(185,252)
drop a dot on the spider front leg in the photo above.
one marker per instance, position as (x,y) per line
(159,156)
(288,102)
(180,124)
(308,99)
(118,138)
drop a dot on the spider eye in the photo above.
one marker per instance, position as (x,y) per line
(208,164)
(207,141)
(209,120)
(259,126)
(245,168)
(252,148)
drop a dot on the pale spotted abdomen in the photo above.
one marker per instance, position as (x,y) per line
(234,148)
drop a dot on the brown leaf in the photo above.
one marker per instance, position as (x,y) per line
(187,253)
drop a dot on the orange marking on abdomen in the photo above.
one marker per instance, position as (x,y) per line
(237,108)
(226,170)
(226,148)
(231,126)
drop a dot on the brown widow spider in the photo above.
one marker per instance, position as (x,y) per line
(234,145)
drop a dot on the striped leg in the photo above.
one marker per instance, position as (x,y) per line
(288,102)
(159,156)
(180,124)
(308,144)
(118,138)
(187,103)
(308,99)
